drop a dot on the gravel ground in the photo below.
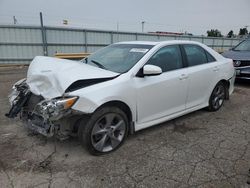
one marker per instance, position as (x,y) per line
(202,149)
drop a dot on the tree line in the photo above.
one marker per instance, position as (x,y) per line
(231,34)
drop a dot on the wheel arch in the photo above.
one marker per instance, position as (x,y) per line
(125,108)
(226,83)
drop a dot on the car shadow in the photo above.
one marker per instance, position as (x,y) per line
(175,125)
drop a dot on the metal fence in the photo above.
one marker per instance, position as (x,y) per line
(20,44)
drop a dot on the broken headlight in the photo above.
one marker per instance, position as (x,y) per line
(55,108)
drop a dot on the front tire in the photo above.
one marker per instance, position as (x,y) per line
(105,131)
(217,97)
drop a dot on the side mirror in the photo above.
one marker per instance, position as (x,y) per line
(151,70)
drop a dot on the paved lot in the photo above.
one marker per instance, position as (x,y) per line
(201,149)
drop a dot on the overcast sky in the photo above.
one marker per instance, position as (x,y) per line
(195,16)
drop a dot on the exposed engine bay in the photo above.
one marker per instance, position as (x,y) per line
(46,117)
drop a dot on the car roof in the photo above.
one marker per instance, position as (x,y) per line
(160,42)
(171,42)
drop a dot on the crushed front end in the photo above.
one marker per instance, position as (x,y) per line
(44,116)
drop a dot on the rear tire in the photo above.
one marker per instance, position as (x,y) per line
(105,131)
(217,97)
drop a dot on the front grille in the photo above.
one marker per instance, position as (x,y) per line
(33,101)
(30,105)
(243,75)
(242,63)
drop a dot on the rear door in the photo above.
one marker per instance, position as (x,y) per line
(203,72)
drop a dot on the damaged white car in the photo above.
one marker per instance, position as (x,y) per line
(122,88)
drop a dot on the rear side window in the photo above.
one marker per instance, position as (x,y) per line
(167,58)
(195,55)
(210,58)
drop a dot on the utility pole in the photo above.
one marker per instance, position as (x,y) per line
(45,50)
(14,20)
(142,26)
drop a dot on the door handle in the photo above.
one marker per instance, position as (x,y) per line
(216,68)
(183,77)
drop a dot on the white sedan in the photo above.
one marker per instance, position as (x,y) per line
(119,89)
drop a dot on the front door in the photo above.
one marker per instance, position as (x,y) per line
(165,94)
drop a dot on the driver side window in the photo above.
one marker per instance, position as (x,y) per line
(167,58)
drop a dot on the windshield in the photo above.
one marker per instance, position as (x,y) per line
(243,46)
(118,57)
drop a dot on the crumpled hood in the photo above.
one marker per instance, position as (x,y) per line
(237,55)
(50,77)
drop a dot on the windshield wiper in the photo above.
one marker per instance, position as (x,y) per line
(98,64)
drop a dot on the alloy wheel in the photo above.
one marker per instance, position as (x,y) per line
(218,96)
(108,132)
